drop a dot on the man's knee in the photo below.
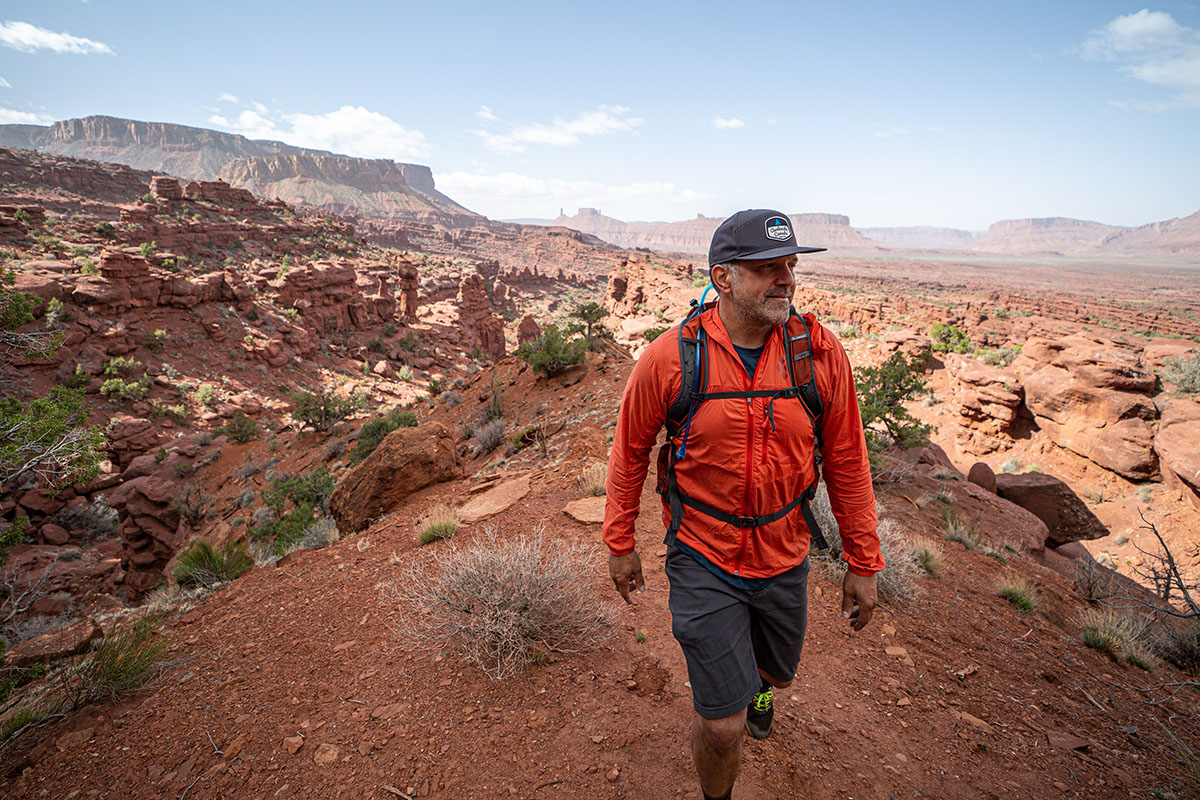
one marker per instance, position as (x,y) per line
(724,734)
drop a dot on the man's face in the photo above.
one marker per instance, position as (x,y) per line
(762,291)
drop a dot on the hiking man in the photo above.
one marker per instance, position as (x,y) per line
(765,393)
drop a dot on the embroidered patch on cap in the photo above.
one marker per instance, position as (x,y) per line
(778,229)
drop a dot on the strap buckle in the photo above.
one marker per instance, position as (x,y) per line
(747,522)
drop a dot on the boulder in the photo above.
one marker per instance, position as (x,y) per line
(54,645)
(1178,443)
(1054,503)
(129,437)
(981,475)
(528,330)
(406,460)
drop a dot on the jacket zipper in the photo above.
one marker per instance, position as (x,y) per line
(737,565)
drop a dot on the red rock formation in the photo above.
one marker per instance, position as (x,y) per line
(528,330)
(406,460)
(164,187)
(219,192)
(987,401)
(1086,393)
(1178,445)
(409,281)
(149,529)
(1054,503)
(479,326)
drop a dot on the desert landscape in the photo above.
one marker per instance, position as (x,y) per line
(311,361)
(308,395)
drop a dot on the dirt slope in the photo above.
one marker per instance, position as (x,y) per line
(308,649)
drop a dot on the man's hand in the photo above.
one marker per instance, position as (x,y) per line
(858,599)
(626,572)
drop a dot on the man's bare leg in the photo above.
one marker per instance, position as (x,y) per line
(717,751)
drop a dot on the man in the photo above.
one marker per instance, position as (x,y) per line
(744,467)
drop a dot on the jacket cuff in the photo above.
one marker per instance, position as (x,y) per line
(622,552)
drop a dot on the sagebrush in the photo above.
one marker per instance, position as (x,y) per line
(502,603)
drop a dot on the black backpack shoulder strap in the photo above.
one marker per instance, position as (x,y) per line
(693,362)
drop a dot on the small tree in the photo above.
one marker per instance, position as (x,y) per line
(553,351)
(322,409)
(882,391)
(948,337)
(589,316)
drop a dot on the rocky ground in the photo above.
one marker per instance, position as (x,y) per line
(292,680)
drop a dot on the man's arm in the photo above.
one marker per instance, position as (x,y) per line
(643,412)
(847,474)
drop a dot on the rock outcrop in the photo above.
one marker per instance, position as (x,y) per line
(1178,445)
(1088,394)
(987,402)
(479,326)
(406,460)
(1053,502)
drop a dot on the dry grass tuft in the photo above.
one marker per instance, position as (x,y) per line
(1019,592)
(502,604)
(593,478)
(928,555)
(1119,634)
(898,580)
(440,523)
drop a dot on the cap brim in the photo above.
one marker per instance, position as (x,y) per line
(778,252)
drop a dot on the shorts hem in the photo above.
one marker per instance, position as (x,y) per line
(727,710)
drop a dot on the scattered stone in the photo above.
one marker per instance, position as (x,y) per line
(1067,741)
(73,740)
(895,650)
(293,744)
(234,748)
(613,774)
(494,500)
(326,754)
(974,721)
(589,510)
(54,645)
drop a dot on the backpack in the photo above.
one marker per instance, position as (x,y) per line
(693,359)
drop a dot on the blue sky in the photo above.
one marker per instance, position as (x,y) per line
(946,114)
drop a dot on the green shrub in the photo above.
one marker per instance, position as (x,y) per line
(1184,373)
(21,720)
(21,215)
(290,529)
(388,329)
(117,389)
(292,313)
(147,248)
(948,338)
(49,439)
(409,342)
(1019,593)
(205,394)
(161,455)
(106,230)
(882,391)
(552,352)
(653,333)
(998,356)
(373,432)
(204,565)
(124,660)
(240,429)
(1119,634)
(121,367)
(313,488)
(155,340)
(87,267)
(440,523)
(1011,465)
(323,409)
(588,316)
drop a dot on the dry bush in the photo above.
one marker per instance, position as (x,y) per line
(502,604)
(1093,583)
(957,530)
(487,437)
(898,580)
(593,478)
(928,555)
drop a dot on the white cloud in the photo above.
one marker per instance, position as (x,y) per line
(5,84)
(513,194)
(226,97)
(30,38)
(721,124)
(895,130)
(1155,49)
(351,130)
(10,117)
(485,113)
(560,132)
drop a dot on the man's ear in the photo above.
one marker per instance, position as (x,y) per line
(722,278)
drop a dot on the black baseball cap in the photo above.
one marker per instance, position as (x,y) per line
(756,234)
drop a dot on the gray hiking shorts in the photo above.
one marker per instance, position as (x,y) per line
(728,634)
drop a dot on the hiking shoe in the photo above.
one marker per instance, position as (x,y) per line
(759,714)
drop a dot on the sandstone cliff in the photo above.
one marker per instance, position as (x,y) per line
(344,185)
(923,237)
(693,236)
(1046,235)
(203,154)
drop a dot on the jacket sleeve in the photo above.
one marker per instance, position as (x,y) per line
(643,413)
(847,469)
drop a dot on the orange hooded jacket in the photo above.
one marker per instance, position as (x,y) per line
(735,461)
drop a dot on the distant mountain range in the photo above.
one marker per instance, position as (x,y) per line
(383,189)
(339,184)
(1024,237)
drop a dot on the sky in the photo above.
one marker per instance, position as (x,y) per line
(918,113)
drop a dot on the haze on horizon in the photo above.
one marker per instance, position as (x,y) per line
(954,115)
